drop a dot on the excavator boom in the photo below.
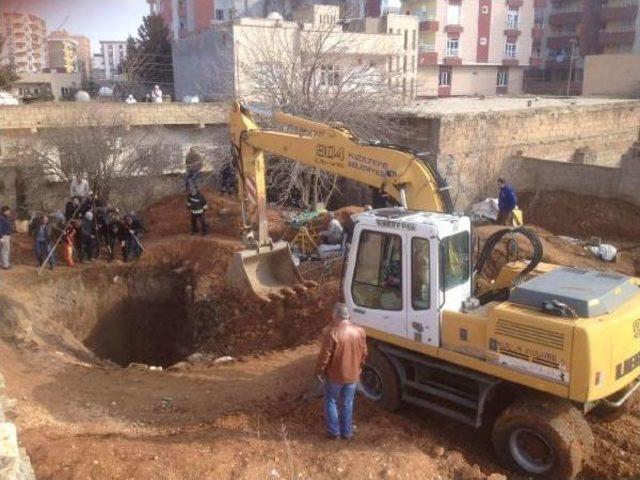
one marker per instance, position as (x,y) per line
(267,269)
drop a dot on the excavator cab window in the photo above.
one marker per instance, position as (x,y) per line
(454,260)
(377,279)
(420,274)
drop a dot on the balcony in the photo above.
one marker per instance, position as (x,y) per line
(511,28)
(539,3)
(182,10)
(560,42)
(537,32)
(619,12)
(452,57)
(565,18)
(427,55)
(510,58)
(453,28)
(536,62)
(617,37)
(429,26)
(514,3)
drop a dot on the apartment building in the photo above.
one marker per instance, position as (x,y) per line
(479,47)
(228,59)
(25,41)
(83,50)
(570,30)
(62,55)
(187,16)
(113,53)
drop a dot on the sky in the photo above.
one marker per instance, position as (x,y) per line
(96,19)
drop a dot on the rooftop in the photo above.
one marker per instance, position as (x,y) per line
(439,107)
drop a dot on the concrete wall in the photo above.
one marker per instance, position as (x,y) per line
(473,150)
(599,79)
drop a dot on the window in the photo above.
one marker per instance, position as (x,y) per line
(329,75)
(512,19)
(453,47)
(413,39)
(377,279)
(453,14)
(420,274)
(406,39)
(510,50)
(404,64)
(444,78)
(219,14)
(454,260)
(483,41)
(485,9)
(503,77)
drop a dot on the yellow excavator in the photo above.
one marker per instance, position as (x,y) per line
(532,351)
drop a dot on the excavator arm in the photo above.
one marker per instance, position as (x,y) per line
(413,181)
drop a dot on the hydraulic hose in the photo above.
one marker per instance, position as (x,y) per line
(495,238)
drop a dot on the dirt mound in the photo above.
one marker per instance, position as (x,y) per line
(581,216)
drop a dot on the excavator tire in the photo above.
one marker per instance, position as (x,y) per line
(380,382)
(542,438)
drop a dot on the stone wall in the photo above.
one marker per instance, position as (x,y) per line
(598,78)
(473,150)
(621,182)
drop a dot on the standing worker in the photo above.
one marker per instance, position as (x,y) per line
(43,233)
(5,237)
(344,350)
(507,201)
(197,204)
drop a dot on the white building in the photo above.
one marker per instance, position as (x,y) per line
(113,53)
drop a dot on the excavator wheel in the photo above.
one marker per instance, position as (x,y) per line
(543,438)
(379,381)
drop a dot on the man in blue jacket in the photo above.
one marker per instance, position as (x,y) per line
(5,237)
(507,201)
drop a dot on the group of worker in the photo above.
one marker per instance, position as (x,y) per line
(85,230)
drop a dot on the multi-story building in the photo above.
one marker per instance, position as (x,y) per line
(83,50)
(97,67)
(25,41)
(187,16)
(467,47)
(114,53)
(62,55)
(572,29)
(233,58)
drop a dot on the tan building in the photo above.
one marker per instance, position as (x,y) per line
(25,41)
(45,86)
(231,58)
(83,50)
(598,80)
(472,47)
(62,55)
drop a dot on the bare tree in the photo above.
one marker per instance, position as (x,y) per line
(106,149)
(320,72)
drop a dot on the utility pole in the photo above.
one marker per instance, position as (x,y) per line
(573,42)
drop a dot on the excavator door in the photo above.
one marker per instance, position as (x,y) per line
(269,273)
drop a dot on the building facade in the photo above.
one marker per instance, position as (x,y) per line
(472,48)
(231,59)
(62,55)
(25,41)
(83,50)
(571,30)
(113,54)
(47,86)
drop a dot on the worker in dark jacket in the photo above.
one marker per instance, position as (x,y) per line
(44,234)
(88,241)
(197,205)
(342,356)
(5,237)
(72,208)
(507,201)
(131,235)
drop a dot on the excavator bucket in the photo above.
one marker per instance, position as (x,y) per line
(269,274)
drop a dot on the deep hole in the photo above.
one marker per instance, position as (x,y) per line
(150,326)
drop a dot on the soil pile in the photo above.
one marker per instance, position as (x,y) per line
(581,216)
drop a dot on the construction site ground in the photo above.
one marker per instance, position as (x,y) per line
(114,372)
